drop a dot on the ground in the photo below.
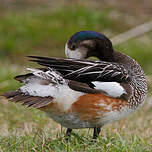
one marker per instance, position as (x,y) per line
(38,28)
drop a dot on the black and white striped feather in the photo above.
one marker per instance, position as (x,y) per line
(84,70)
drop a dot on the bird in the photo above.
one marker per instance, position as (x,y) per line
(80,93)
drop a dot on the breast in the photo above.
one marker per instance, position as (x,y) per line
(97,107)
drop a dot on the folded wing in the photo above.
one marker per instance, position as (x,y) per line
(82,71)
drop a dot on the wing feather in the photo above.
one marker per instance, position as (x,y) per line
(84,70)
(27,100)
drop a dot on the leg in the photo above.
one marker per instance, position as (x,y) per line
(68,132)
(96,132)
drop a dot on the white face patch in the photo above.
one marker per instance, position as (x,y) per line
(76,54)
(113,89)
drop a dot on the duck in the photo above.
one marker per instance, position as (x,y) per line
(80,93)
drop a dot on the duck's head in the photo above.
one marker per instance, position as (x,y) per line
(86,44)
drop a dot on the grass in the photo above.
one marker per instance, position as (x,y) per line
(39,142)
(41,33)
(44,32)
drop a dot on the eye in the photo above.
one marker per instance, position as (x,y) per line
(73,46)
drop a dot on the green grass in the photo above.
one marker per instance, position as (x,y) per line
(40,142)
(44,32)
(6,79)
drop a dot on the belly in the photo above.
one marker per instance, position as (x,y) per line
(89,111)
(75,121)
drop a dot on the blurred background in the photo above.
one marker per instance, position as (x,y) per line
(42,27)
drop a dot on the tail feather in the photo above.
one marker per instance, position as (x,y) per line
(21,78)
(40,86)
(27,100)
(10,94)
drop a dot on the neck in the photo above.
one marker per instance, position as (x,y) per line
(103,50)
(138,81)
